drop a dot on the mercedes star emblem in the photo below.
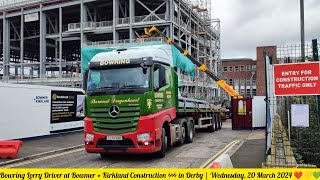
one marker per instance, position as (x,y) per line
(114,111)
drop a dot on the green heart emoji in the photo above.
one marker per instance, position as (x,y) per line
(316,174)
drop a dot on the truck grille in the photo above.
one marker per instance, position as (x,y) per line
(126,121)
(115,145)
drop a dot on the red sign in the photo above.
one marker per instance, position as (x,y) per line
(297,79)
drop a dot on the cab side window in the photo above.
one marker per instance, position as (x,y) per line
(156,78)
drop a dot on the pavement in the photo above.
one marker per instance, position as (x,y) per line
(49,144)
(251,153)
(247,153)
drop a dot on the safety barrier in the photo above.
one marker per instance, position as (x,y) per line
(222,161)
(10,149)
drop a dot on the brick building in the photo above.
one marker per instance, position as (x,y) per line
(246,75)
(238,73)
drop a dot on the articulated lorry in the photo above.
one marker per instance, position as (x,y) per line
(133,103)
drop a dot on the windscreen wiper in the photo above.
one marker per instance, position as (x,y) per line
(99,89)
(123,87)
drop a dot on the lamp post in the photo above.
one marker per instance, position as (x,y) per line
(251,93)
(302,30)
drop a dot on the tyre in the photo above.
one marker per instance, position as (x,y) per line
(191,133)
(219,123)
(212,127)
(183,134)
(216,122)
(104,155)
(164,144)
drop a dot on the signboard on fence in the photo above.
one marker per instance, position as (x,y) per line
(66,110)
(300,115)
(297,79)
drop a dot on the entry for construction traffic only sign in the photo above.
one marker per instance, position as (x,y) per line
(297,79)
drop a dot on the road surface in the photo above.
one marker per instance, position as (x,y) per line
(192,155)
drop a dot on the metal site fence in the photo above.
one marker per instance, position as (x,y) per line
(287,144)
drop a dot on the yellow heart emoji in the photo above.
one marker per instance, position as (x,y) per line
(307,175)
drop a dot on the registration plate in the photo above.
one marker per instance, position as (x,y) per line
(114,138)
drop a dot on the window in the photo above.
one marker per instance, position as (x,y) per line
(242,82)
(236,82)
(254,92)
(248,68)
(230,82)
(241,68)
(254,81)
(254,67)
(248,83)
(242,92)
(236,68)
(248,93)
(225,69)
(101,81)
(230,68)
(156,75)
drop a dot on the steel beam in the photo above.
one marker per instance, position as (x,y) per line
(82,20)
(6,45)
(115,18)
(131,15)
(60,41)
(46,8)
(43,42)
(51,24)
(21,44)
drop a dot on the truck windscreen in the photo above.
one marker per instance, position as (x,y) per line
(126,80)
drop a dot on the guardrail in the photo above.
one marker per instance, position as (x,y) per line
(127,42)
(62,81)
(120,22)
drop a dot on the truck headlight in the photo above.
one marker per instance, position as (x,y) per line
(143,136)
(89,137)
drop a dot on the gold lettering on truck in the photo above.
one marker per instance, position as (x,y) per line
(115,62)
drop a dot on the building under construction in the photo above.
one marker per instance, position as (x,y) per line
(41,40)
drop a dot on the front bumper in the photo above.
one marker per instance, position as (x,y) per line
(129,144)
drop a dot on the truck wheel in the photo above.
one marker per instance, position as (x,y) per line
(104,155)
(191,133)
(183,134)
(164,144)
(212,127)
(219,123)
(216,122)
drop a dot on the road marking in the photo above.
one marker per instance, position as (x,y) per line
(225,149)
(42,158)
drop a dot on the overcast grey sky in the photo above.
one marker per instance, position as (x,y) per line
(246,24)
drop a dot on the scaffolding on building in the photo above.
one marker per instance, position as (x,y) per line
(42,39)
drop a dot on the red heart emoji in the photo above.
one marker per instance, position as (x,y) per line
(298,174)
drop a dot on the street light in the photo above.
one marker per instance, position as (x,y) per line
(302,30)
(251,93)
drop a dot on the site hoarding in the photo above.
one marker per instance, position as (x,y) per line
(297,79)
(26,111)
